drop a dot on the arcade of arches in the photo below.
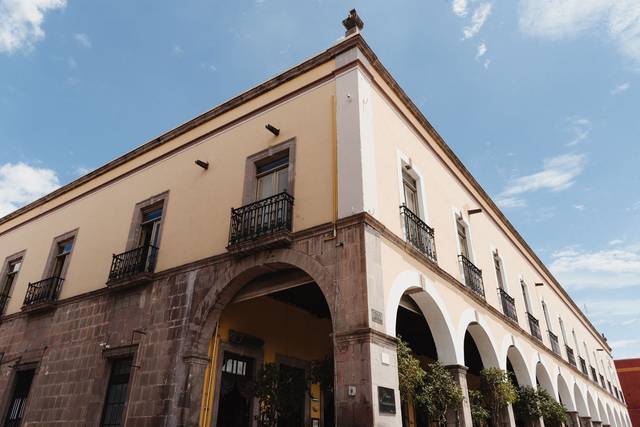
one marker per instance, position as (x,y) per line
(284,316)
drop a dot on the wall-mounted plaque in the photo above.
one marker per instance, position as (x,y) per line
(386,400)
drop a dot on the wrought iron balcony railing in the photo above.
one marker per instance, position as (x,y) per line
(46,290)
(135,261)
(555,344)
(508,305)
(472,275)
(261,218)
(418,233)
(4,301)
(583,366)
(534,326)
(602,381)
(570,357)
(594,375)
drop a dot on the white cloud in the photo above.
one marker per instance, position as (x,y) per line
(615,242)
(83,40)
(481,51)
(620,88)
(21,22)
(81,170)
(73,64)
(177,50)
(21,183)
(617,267)
(579,207)
(617,20)
(558,174)
(460,7)
(479,17)
(486,63)
(579,128)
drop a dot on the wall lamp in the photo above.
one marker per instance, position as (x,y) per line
(539,284)
(204,165)
(274,130)
(474,211)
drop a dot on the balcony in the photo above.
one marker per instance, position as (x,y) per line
(508,305)
(570,357)
(133,267)
(534,326)
(594,376)
(472,275)
(42,294)
(418,233)
(261,225)
(4,300)
(555,344)
(602,381)
(583,366)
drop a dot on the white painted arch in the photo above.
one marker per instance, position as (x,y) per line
(433,308)
(478,328)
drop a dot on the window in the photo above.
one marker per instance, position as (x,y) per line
(272,177)
(497,262)
(410,189)
(564,334)
(546,316)
(13,267)
(63,250)
(21,387)
(462,237)
(150,226)
(525,296)
(117,390)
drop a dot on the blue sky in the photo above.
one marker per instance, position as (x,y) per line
(539,98)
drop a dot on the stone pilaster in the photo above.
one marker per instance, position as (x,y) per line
(596,423)
(365,364)
(464,413)
(572,419)
(586,422)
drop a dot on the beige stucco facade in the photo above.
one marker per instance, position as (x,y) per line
(354,131)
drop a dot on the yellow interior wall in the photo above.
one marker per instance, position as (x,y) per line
(286,330)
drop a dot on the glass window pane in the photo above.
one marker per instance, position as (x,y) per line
(265,187)
(152,214)
(283,181)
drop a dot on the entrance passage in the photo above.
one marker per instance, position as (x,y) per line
(272,356)
(236,390)
(19,399)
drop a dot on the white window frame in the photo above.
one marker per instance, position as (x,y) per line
(503,272)
(404,163)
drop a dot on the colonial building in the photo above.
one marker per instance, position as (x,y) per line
(304,224)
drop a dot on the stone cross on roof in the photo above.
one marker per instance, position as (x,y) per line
(352,23)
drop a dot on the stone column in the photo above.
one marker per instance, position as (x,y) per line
(509,417)
(596,423)
(366,365)
(585,422)
(190,396)
(573,419)
(459,373)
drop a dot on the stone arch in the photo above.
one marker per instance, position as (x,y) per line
(593,409)
(543,377)
(231,277)
(522,371)
(604,418)
(479,331)
(565,394)
(581,404)
(432,307)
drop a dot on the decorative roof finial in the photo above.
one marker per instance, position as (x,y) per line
(353,24)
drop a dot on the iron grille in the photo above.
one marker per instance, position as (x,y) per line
(261,218)
(46,290)
(534,326)
(570,357)
(135,261)
(472,275)
(555,344)
(508,305)
(418,233)
(583,366)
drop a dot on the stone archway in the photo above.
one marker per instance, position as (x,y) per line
(604,417)
(520,369)
(581,404)
(593,409)
(543,380)
(565,395)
